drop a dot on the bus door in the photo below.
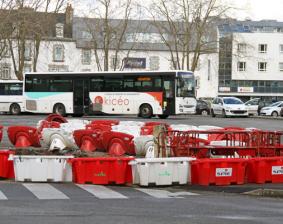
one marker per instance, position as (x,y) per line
(169,95)
(81,96)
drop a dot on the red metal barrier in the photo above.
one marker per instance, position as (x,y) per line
(192,143)
(265,170)
(56,117)
(102,170)
(6,166)
(22,136)
(218,171)
(1,133)
(118,143)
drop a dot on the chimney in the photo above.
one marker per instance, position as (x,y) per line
(69,14)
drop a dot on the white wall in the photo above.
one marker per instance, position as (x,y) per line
(252,56)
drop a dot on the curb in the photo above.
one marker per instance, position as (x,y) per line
(265,193)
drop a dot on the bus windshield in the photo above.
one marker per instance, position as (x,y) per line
(185,85)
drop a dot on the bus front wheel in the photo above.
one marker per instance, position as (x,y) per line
(15,109)
(146,111)
(59,109)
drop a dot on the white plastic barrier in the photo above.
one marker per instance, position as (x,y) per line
(161,171)
(131,130)
(132,123)
(143,143)
(183,127)
(57,138)
(42,168)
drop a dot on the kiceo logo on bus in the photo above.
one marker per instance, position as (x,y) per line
(223,172)
(98,100)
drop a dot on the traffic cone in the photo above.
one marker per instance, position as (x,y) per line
(87,145)
(116,149)
(22,141)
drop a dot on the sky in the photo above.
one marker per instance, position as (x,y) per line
(252,9)
(258,9)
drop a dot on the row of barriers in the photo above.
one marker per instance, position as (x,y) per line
(141,171)
(213,143)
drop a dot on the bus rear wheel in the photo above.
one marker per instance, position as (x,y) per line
(15,109)
(163,116)
(146,111)
(59,108)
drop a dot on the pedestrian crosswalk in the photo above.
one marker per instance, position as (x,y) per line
(49,191)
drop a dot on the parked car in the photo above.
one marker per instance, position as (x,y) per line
(272,110)
(202,108)
(281,112)
(228,106)
(254,106)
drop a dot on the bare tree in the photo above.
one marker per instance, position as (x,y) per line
(28,22)
(108,32)
(187,28)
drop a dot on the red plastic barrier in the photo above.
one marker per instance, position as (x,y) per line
(147,130)
(1,133)
(118,143)
(265,170)
(106,122)
(98,127)
(23,136)
(218,171)
(87,140)
(6,166)
(56,117)
(102,170)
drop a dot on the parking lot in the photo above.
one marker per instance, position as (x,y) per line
(71,203)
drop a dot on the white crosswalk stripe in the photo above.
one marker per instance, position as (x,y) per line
(157,193)
(102,192)
(45,191)
(2,196)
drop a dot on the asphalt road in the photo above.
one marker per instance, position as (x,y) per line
(72,204)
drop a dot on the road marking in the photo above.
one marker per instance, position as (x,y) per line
(101,191)
(157,193)
(45,191)
(2,196)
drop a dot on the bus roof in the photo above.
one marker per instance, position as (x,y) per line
(11,81)
(107,73)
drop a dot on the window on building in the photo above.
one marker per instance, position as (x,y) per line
(262,66)
(27,54)
(60,30)
(5,71)
(86,35)
(154,63)
(262,48)
(145,37)
(58,53)
(86,57)
(4,49)
(281,66)
(58,68)
(241,66)
(242,48)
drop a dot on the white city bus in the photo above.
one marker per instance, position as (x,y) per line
(11,96)
(143,93)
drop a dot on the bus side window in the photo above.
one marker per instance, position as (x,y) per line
(128,84)
(113,84)
(157,84)
(2,89)
(96,85)
(15,89)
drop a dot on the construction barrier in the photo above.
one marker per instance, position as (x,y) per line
(6,165)
(218,171)
(102,170)
(265,170)
(161,171)
(42,168)
(23,136)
